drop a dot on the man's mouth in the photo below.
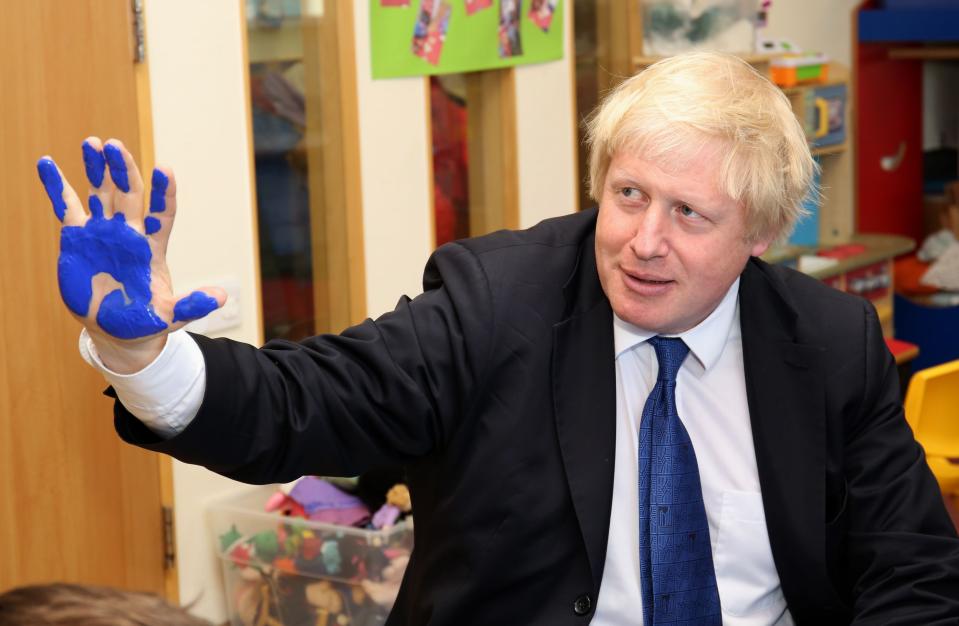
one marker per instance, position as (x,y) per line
(647,285)
(647,278)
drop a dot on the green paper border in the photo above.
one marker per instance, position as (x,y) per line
(471,42)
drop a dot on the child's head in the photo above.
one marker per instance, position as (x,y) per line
(61,604)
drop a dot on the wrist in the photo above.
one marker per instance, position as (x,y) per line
(127,357)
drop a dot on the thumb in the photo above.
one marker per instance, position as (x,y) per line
(198,304)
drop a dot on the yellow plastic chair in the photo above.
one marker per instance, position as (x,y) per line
(932,410)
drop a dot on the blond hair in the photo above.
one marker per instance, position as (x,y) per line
(672,110)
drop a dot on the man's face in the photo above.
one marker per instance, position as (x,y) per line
(669,243)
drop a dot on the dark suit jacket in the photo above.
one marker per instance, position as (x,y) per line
(496,389)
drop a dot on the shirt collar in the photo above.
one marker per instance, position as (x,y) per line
(706,340)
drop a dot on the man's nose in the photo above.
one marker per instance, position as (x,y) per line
(652,233)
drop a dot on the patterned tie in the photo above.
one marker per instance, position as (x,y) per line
(675,559)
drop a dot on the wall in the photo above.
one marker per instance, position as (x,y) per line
(547,136)
(395,170)
(815,26)
(397,199)
(200,128)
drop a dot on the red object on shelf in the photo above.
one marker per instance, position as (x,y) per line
(902,351)
(907,273)
(843,252)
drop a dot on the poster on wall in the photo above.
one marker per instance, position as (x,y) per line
(423,37)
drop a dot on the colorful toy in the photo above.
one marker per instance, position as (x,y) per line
(301,572)
(793,69)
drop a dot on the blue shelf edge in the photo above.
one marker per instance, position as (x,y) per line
(919,24)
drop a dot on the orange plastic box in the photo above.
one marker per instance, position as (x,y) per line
(796,69)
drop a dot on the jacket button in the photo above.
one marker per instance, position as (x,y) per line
(582,604)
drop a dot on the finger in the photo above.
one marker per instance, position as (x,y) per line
(101,185)
(197,304)
(128,198)
(66,203)
(163,191)
(94,161)
(162,210)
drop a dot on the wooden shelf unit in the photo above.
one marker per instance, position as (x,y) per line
(619,53)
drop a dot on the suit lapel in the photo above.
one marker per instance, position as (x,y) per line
(584,401)
(786,400)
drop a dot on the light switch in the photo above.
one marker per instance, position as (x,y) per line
(226,317)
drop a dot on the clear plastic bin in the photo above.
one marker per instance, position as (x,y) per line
(292,572)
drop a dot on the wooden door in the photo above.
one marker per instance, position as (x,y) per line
(76,504)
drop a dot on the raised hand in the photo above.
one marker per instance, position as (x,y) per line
(112,268)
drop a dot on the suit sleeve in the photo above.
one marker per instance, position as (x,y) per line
(381,393)
(902,550)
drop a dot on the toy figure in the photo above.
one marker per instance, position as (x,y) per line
(328,604)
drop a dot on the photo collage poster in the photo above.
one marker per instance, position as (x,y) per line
(425,37)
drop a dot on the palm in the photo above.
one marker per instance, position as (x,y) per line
(112,268)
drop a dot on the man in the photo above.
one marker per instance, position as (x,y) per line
(615,417)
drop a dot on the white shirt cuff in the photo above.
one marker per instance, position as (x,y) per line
(166,394)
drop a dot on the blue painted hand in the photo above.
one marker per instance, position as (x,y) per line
(118,248)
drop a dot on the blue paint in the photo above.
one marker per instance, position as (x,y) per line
(95,164)
(52,182)
(118,168)
(127,320)
(158,193)
(96,208)
(109,246)
(152,225)
(193,306)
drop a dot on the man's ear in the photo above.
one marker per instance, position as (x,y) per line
(760,246)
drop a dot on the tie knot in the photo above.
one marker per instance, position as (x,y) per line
(670,352)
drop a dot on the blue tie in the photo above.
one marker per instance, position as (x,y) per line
(675,559)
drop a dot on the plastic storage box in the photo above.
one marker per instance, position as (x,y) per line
(291,571)
(790,70)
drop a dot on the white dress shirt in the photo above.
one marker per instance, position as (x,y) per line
(711,401)
(166,394)
(710,398)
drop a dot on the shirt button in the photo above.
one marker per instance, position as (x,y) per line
(582,604)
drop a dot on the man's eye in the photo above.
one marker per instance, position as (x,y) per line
(688,212)
(630,192)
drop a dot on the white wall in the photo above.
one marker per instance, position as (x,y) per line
(395,170)
(546,136)
(394,130)
(815,26)
(200,130)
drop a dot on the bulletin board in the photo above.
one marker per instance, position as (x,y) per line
(424,37)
